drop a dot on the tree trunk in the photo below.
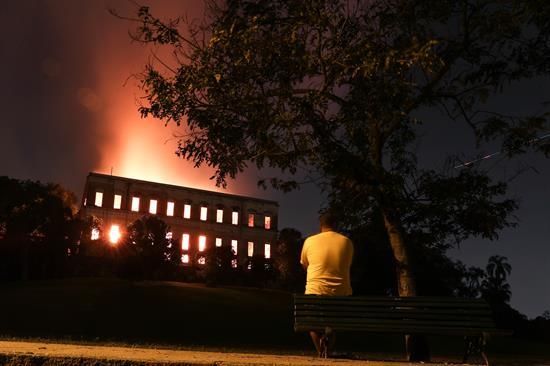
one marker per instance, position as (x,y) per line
(416,345)
(406,283)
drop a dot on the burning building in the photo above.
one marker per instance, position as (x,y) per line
(197,218)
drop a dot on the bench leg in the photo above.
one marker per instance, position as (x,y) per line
(417,348)
(325,343)
(475,345)
(323,351)
(469,346)
(483,348)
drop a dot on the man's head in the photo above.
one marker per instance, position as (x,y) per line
(327,221)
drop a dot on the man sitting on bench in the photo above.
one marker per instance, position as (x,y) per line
(327,259)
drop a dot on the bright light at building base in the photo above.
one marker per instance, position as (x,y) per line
(114,234)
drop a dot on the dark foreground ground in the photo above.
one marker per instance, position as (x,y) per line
(176,316)
(43,354)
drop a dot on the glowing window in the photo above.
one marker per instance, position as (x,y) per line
(202,243)
(234,246)
(250,249)
(98,199)
(187,211)
(218,242)
(170,209)
(267,250)
(114,234)
(85,201)
(235,218)
(251,220)
(118,202)
(169,235)
(267,222)
(153,207)
(219,215)
(234,263)
(95,234)
(135,204)
(201,260)
(185,242)
(185,258)
(204,213)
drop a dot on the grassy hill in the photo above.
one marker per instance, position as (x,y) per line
(172,314)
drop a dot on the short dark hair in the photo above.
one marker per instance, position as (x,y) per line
(327,218)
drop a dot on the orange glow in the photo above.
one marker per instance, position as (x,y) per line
(202,243)
(98,199)
(251,220)
(153,207)
(185,242)
(204,213)
(170,209)
(128,145)
(114,234)
(267,222)
(187,211)
(118,202)
(135,204)
(250,249)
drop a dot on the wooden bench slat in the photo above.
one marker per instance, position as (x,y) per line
(407,330)
(404,322)
(388,315)
(382,311)
(393,304)
(393,300)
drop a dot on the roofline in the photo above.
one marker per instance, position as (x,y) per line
(184,187)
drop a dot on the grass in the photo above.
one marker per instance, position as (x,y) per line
(160,313)
(192,316)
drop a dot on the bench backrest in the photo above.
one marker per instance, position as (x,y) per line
(426,315)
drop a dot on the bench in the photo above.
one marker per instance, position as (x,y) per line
(471,318)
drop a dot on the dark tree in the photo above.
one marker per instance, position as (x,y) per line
(147,241)
(286,260)
(38,230)
(337,89)
(495,287)
(217,267)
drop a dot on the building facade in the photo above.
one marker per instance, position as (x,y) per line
(198,219)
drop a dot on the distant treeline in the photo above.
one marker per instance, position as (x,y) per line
(42,236)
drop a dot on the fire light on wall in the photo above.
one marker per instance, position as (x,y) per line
(202,243)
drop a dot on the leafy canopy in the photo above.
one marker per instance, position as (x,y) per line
(336,88)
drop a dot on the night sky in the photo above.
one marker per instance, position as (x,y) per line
(69,106)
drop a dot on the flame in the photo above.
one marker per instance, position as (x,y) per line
(114,234)
(131,146)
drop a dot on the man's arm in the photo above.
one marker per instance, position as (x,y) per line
(303,256)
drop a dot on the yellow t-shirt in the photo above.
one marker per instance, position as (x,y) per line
(328,257)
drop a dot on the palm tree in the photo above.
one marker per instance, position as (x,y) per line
(495,287)
(498,268)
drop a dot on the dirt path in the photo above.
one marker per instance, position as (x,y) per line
(172,356)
